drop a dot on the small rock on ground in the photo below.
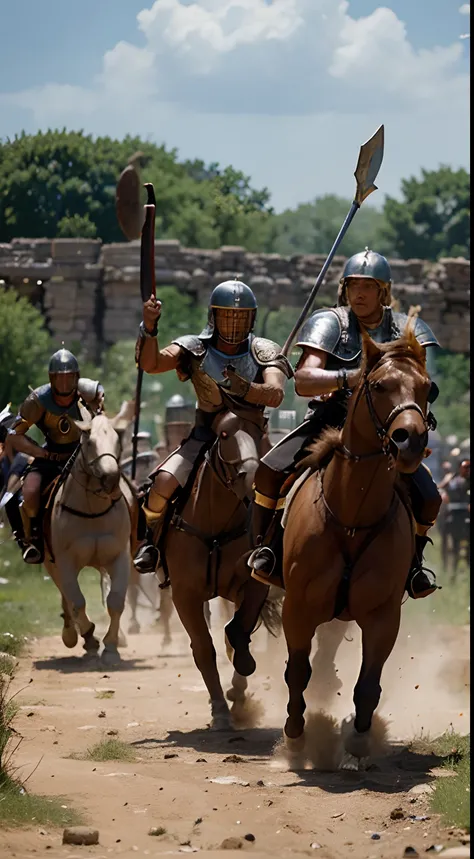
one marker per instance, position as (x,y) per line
(456,853)
(80,835)
(232,844)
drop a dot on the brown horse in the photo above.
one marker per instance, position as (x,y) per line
(349,536)
(206,546)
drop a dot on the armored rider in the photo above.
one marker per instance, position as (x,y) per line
(53,408)
(230,369)
(327,370)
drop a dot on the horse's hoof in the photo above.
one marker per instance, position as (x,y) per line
(294,745)
(69,636)
(133,627)
(110,657)
(234,695)
(91,645)
(167,641)
(221,719)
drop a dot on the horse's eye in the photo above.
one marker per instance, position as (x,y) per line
(378,387)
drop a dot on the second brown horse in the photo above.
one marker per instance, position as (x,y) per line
(349,536)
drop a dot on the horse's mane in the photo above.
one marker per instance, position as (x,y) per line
(321,451)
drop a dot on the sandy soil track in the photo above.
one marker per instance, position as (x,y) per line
(160,705)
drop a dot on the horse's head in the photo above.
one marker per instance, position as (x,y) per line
(392,398)
(237,454)
(100,451)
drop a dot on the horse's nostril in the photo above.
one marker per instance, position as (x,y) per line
(401,437)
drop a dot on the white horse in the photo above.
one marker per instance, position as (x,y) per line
(92,524)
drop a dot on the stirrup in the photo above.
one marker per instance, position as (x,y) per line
(147,558)
(32,554)
(262,561)
(430,578)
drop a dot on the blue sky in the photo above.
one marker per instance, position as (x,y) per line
(286,91)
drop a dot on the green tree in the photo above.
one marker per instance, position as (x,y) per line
(25,347)
(313,227)
(433,218)
(452,408)
(62,183)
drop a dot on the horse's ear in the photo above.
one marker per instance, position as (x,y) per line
(84,426)
(371,351)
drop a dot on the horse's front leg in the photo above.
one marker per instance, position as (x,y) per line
(68,577)
(299,624)
(191,612)
(69,631)
(379,634)
(119,572)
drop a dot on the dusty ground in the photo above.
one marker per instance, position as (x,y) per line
(160,706)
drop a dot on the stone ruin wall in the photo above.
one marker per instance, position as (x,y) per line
(89,292)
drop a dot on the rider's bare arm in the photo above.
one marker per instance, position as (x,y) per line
(151,358)
(313,380)
(271,392)
(18,441)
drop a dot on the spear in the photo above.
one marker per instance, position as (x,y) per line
(130,218)
(368,166)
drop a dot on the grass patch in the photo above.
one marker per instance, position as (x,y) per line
(110,750)
(19,808)
(105,693)
(452,793)
(30,603)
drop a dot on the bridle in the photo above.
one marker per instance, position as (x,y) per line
(382,427)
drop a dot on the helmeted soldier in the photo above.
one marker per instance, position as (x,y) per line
(230,369)
(327,371)
(179,420)
(53,408)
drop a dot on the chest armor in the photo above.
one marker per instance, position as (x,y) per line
(206,374)
(57,422)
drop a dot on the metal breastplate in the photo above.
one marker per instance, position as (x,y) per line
(57,422)
(206,373)
(214,362)
(458,493)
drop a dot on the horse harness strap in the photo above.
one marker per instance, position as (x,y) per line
(91,515)
(213,544)
(373,531)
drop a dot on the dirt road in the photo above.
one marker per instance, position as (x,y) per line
(160,706)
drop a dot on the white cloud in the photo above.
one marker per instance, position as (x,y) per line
(273,87)
(465,9)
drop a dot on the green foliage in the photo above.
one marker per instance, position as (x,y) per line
(63,183)
(110,750)
(312,228)
(433,218)
(452,406)
(451,797)
(25,347)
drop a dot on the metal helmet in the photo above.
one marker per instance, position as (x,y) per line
(232,311)
(179,411)
(371,265)
(63,372)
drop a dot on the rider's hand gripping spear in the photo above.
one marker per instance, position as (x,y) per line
(130,218)
(368,166)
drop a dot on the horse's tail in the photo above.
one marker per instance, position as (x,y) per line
(270,614)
